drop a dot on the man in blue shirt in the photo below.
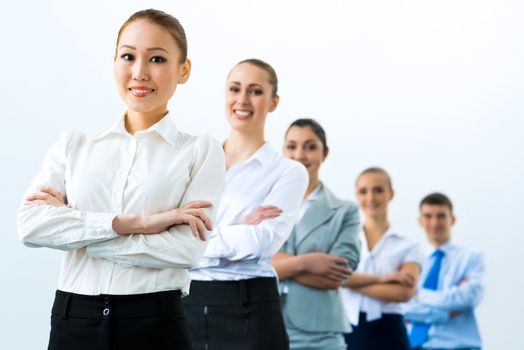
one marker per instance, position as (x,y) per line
(442,316)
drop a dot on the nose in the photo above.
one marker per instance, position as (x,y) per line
(243,97)
(300,154)
(140,71)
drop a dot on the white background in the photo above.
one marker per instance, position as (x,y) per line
(429,90)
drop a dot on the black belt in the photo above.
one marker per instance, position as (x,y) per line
(222,293)
(117,306)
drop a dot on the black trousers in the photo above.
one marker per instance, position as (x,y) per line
(118,322)
(387,333)
(235,315)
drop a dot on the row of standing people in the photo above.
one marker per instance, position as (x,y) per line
(383,304)
(134,208)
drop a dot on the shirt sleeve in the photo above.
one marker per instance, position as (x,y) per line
(60,227)
(348,243)
(177,247)
(414,254)
(465,295)
(262,241)
(418,312)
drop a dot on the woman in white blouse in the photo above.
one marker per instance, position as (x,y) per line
(139,198)
(234,301)
(386,275)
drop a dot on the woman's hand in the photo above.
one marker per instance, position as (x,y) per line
(399,277)
(46,196)
(330,266)
(264,212)
(191,214)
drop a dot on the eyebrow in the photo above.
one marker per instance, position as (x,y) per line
(149,49)
(250,85)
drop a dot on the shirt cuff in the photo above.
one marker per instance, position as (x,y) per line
(216,247)
(207,262)
(427,296)
(102,224)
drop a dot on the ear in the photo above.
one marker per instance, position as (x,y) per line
(392,195)
(184,71)
(326,154)
(453,220)
(274,103)
(420,219)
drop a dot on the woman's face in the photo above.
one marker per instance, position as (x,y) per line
(147,67)
(373,194)
(249,98)
(303,145)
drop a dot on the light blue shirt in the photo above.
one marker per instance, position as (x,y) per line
(450,308)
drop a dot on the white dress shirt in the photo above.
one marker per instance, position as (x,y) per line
(390,252)
(238,251)
(152,171)
(461,286)
(308,202)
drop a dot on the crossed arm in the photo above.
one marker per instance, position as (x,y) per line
(318,270)
(324,270)
(439,306)
(163,240)
(398,286)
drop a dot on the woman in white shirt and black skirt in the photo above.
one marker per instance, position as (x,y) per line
(234,301)
(386,274)
(130,207)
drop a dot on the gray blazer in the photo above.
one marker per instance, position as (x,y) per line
(329,225)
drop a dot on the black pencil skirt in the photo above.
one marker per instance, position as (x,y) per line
(231,315)
(118,322)
(386,333)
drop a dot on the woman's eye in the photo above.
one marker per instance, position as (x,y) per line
(362,191)
(257,92)
(127,57)
(290,147)
(234,89)
(157,59)
(311,147)
(378,190)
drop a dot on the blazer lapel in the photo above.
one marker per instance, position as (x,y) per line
(317,214)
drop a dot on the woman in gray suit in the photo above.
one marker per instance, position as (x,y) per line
(321,252)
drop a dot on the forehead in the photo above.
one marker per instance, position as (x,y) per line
(435,209)
(299,133)
(145,34)
(372,179)
(246,73)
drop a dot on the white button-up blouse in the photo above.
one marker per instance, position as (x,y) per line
(238,251)
(152,171)
(391,251)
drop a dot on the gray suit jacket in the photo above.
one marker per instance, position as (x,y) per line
(329,225)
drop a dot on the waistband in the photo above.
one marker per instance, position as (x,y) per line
(362,318)
(242,292)
(447,349)
(117,306)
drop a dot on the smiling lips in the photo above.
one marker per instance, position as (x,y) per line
(242,115)
(141,91)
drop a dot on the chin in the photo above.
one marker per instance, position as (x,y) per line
(143,108)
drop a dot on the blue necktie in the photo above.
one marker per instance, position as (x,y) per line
(419,332)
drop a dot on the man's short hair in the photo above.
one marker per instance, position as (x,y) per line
(437,199)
